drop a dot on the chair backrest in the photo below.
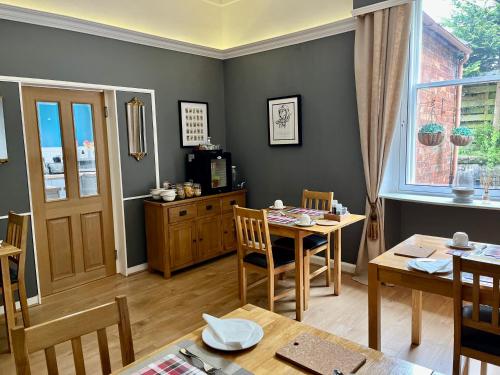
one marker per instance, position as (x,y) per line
(478,294)
(318,200)
(70,328)
(252,232)
(17,233)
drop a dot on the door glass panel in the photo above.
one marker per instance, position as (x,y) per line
(49,127)
(85,151)
(218,173)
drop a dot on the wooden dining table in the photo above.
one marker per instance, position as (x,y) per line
(278,332)
(393,269)
(6,251)
(298,233)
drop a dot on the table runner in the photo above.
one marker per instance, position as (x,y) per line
(227,367)
(307,211)
(280,219)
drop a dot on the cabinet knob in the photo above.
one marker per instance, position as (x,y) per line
(200,239)
(208,207)
(183,213)
(225,232)
(233,202)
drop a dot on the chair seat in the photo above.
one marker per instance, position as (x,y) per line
(13,273)
(310,242)
(479,340)
(281,257)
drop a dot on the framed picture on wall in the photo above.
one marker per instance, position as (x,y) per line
(284,121)
(193,117)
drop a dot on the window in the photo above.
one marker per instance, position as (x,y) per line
(451,118)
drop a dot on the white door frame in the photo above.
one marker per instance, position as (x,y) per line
(114,158)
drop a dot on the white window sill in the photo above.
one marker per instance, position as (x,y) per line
(441,200)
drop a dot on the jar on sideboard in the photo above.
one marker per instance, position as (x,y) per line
(197,190)
(188,189)
(180,191)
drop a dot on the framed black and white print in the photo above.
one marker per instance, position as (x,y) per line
(193,117)
(284,121)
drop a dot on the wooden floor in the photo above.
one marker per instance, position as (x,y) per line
(162,310)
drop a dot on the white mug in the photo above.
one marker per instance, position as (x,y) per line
(460,239)
(305,219)
(278,203)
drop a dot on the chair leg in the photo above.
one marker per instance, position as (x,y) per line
(270,290)
(23,299)
(243,285)
(484,368)
(14,306)
(327,264)
(307,279)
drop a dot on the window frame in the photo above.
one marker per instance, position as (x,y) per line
(408,114)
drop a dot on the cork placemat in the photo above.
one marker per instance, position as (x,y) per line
(412,251)
(320,356)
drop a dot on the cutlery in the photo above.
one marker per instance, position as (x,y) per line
(209,369)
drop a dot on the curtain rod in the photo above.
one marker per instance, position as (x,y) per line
(378,6)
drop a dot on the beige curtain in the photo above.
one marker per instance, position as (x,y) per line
(380,52)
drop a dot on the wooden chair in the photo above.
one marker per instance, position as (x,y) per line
(46,335)
(17,233)
(313,244)
(476,325)
(256,252)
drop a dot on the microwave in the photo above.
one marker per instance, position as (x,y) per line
(211,169)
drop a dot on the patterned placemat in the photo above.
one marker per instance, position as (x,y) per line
(170,365)
(280,219)
(307,211)
(226,367)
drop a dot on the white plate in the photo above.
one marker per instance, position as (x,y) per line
(276,208)
(311,224)
(412,263)
(211,340)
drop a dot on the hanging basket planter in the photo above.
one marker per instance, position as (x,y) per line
(431,134)
(461,136)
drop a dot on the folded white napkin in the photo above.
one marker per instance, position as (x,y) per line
(432,266)
(234,333)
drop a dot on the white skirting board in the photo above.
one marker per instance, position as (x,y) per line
(346,267)
(31,302)
(138,268)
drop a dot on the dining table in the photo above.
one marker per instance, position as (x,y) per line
(278,332)
(282,223)
(391,268)
(7,250)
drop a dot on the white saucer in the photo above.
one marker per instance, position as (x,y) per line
(276,208)
(311,224)
(211,340)
(469,246)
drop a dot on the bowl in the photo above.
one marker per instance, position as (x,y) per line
(168,198)
(156,193)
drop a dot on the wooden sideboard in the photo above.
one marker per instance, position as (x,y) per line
(185,232)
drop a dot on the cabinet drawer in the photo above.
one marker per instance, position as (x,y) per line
(181,213)
(229,202)
(209,207)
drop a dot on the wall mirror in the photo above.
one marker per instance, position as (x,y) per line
(136,126)
(3,140)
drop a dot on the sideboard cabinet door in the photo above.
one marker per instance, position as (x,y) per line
(182,244)
(209,237)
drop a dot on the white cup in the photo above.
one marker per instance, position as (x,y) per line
(278,203)
(304,219)
(460,239)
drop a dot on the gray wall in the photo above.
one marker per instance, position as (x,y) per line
(42,52)
(363,3)
(322,71)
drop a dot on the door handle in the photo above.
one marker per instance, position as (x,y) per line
(183,213)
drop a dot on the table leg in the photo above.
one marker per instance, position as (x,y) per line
(299,277)
(7,295)
(416,317)
(337,261)
(374,300)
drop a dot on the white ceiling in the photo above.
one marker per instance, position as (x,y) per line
(219,24)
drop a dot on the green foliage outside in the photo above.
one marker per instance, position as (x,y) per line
(485,148)
(477,23)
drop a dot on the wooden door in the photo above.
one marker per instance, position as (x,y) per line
(182,244)
(228,232)
(70,187)
(209,237)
